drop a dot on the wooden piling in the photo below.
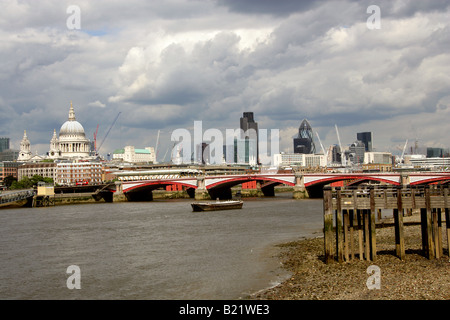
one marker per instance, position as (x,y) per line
(366,234)
(398,222)
(360,235)
(427,231)
(352,247)
(339,233)
(447,223)
(439,228)
(435,231)
(372,227)
(328,225)
(447,218)
(347,240)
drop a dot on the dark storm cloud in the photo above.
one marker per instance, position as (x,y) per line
(287,7)
(409,8)
(278,8)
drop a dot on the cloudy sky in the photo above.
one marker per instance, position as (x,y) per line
(166,64)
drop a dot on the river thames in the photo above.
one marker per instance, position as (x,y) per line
(150,250)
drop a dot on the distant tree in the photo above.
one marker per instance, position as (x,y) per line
(27,183)
(37,178)
(8,181)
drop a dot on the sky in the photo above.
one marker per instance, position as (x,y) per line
(165,64)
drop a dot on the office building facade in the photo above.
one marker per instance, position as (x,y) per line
(4,144)
(366,138)
(250,130)
(43,169)
(202,153)
(299,159)
(435,152)
(135,155)
(357,150)
(8,168)
(72,173)
(378,157)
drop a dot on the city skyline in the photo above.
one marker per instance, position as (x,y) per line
(166,64)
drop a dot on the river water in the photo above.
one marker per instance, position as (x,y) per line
(150,250)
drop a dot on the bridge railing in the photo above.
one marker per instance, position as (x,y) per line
(15,196)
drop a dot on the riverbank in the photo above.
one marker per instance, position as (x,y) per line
(416,278)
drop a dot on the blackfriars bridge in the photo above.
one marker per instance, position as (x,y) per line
(138,185)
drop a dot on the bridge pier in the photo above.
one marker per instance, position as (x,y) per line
(201,193)
(105,195)
(119,196)
(259,192)
(404,180)
(300,191)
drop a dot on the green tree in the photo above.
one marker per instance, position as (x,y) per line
(26,183)
(8,181)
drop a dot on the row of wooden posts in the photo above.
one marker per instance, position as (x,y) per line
(355,210)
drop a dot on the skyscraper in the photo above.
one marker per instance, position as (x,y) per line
(366,138)
(304,142)
(4,144)
(203,153)
(357,152)
(250,131)
(334,154)
(435,152)
(244,151)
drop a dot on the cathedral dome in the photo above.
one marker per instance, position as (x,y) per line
(72,141)
(71,127)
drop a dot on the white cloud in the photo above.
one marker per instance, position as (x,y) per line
(97,104)
(166,64)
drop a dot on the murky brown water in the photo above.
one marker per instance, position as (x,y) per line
(152,250)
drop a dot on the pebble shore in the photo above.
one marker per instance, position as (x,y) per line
(415,278)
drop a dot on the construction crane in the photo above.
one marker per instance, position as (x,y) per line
(323,150)
(95,139)
(165,155)
(340,146)
(108,132)
(403,153)
(321,145)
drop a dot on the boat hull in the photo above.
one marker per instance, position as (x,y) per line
(214,206)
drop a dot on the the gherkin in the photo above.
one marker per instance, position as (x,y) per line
(304,142)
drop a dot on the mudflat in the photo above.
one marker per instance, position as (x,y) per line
(414,278)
